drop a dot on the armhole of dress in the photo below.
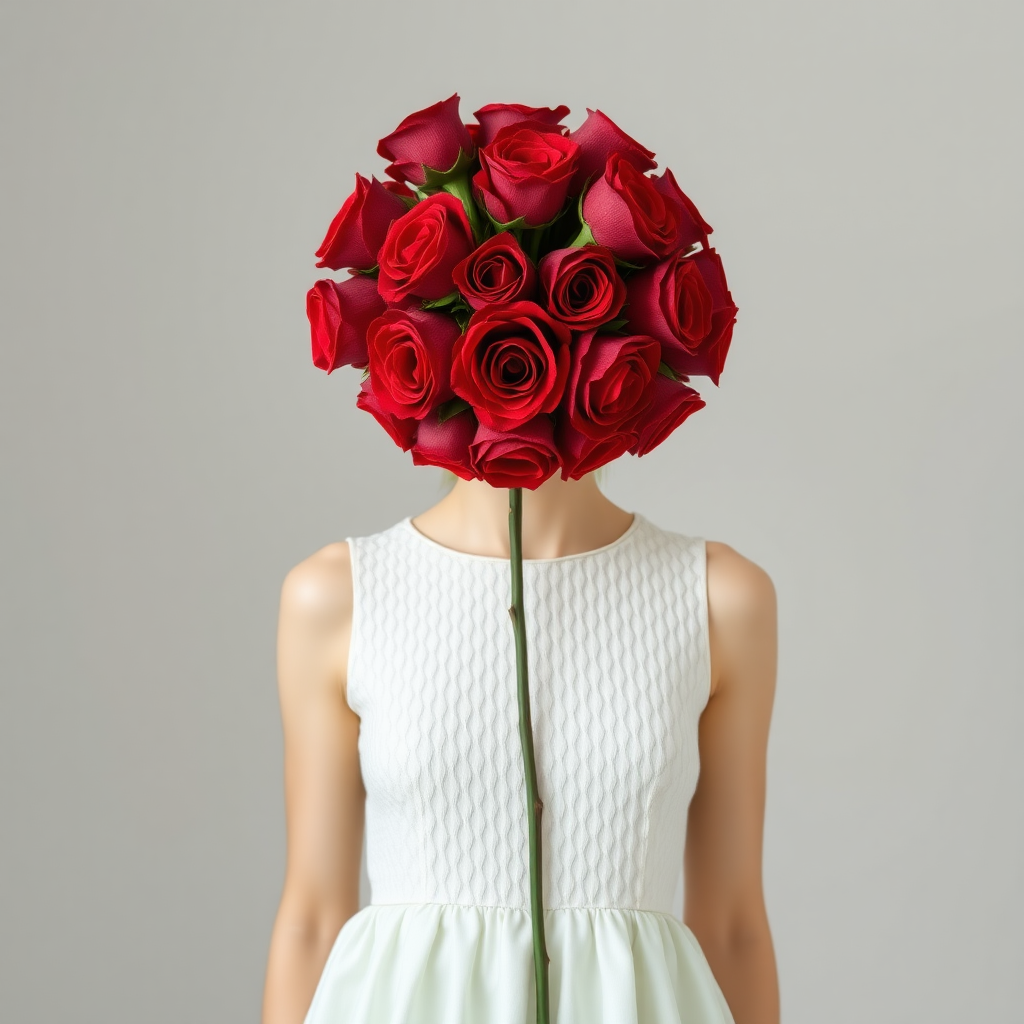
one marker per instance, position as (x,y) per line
(704,618)
(353,561)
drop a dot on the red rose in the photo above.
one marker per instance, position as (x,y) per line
(401,429)
(497,271)
(598,137)
(626,212)
(581,455)
(358,229)
(410,355)
(511,364)
(339,313)
(582,286)
(496,116)
(422,247)
(685,303)
(671,402)
(525,172)
(525,457)
(446,444)
(431,139)
(693,228)
(610,381)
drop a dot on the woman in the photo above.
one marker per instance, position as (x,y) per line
(652,660)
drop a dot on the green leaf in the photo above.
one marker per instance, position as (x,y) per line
(614,325)
(451,408)
(436,180)
(446,300)
(366,373)
(666,371)
(372,272)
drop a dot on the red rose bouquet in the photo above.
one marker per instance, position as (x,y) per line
(523,300)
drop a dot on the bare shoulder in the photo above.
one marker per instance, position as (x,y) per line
(742,612)
(316,619)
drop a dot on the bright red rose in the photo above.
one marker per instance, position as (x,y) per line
(610,384)
(693,228)
(525,172)
(511,364)
(672,401)
(598,137)
(410,356)
(358,229)
(582,286)
(627,213)
(401,429)
(496,271)
(339,314)
(524,457)
(496,116)
(685,303)
(433,138)
(422,248)
(446,444)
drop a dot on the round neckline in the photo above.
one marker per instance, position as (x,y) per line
(437,545)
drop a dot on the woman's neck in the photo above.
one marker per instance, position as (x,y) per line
(561,517)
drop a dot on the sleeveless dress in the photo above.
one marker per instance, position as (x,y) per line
(619,674)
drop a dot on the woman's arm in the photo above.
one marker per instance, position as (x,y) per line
(324,796)
(724,899)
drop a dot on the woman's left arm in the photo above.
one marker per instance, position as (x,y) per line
(724,897)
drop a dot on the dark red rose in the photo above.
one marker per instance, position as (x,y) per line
(693,228)
(358,229)
(685,303)
(399,188)
(511,364)
(496,116)
(525,172)
(401,429)
(582,286)
(422,248)
(598,137)
(627,213)
(410,353)
(339,313)
(610,383)
(446,444)
(496,271)
(433,138)
(581,455)
(671,402)
(524,457)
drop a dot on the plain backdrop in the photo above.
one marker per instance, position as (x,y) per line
(169,452)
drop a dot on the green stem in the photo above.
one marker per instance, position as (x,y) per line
(534,244)
(534,803)
(461,189)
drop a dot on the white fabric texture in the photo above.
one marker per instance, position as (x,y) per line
(619,674)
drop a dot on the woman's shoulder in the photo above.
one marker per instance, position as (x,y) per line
(318,591)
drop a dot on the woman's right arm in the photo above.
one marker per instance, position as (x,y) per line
(324,795)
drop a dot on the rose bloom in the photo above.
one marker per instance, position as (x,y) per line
(511,364)
(339,314)
(431,138)
(496,271)
(402,429)
(496,116)
(693,228)
(410,359)
(422,248)
(524,457)
(626,212)
(446,444)
(582,286)
(525,172)
(685,303)
(672,401)
(598,137)
(359,227)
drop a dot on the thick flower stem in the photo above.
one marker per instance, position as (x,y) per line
(534,803)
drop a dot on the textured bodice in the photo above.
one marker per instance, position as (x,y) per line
(619,674)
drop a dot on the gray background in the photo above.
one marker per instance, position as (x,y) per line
(169,452)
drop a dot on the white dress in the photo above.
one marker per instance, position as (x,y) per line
(619,674)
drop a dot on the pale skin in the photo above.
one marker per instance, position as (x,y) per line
(324,795)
